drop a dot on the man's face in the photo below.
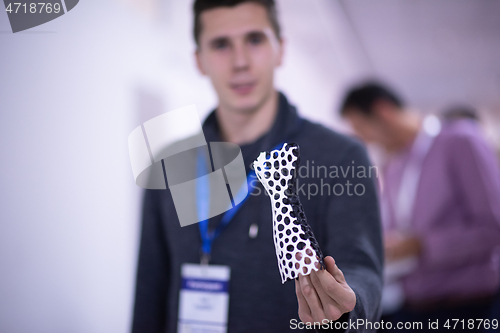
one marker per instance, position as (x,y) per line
(369,128)
(238,51)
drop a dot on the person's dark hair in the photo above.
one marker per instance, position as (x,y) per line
(461,112)
(364,96)
(200,6)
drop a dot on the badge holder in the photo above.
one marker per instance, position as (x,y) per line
(204,298)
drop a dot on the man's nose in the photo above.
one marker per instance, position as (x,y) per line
(241,58)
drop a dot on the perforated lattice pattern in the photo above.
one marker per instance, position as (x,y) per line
(296,248)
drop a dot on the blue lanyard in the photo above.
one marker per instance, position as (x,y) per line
(203,204)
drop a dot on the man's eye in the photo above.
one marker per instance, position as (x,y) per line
(256,39)
(220,44)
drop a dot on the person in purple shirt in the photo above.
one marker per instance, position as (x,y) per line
(441,207)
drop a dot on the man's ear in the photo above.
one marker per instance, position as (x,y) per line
(281,50)
(199,64)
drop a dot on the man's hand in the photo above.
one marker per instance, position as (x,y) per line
(398,246)
(324,294)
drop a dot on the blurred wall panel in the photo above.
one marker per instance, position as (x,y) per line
(69,206)
(322,54)
(437,52)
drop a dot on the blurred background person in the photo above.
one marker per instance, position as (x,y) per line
(470,114)
(461,112)
(441,207)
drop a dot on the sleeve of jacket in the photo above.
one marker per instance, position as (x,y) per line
(152,270)
(352,233)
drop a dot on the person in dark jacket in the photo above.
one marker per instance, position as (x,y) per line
(238,47)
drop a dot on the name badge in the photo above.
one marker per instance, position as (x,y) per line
(203,299)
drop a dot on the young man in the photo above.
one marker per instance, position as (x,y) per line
(441,192)
(238,48)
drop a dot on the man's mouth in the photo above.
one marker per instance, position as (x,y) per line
(243,88)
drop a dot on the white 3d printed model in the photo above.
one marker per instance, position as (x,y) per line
(296,248)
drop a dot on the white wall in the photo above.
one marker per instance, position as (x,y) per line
(69,206)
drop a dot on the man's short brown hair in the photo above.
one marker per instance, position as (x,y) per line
(201,5)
